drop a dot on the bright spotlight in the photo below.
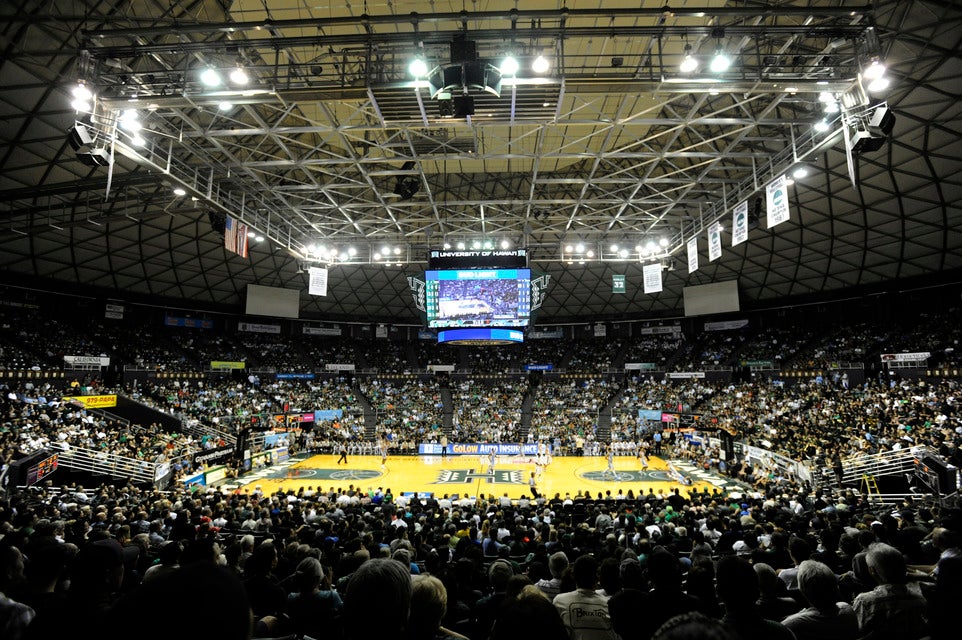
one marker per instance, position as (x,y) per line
(821,126)
(418,68)
(239,76)
(879,84)
(210,77)
(720,62)
(509,66)
(540,65)
(874,71)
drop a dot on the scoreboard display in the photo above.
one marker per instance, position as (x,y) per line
(42,469)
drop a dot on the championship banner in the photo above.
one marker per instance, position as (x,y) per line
(777,195)
(740,223)
(693,254)
(227,364)
(317,283)
(652,275)
(714,242)
(94,402)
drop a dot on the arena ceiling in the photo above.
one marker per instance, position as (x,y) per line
(333,143)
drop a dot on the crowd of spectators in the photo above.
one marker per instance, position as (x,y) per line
(408,411)
(487,410)
(656,349)
(565,413)
(360,562)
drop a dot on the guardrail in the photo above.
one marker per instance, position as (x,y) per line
(108,464)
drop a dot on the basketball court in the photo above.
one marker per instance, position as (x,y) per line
(471,475)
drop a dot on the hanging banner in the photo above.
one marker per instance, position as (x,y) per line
(317,281)
(740,223)
(617,284)
(777,194)
(601,330)
(652,273)
(714,242)
(693,254)
(114,311)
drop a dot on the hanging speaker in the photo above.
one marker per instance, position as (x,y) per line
(79,135)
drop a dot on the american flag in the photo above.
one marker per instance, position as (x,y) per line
(235,237)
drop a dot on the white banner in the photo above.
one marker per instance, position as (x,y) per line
(686,374)
(601,330)
(906,357)
(114,311)
(740,223)
(777,193)
(693,254)
(554,334)
(441,367)
(380,331)
(322,331)
(725,325)
(251,327)
(650,331)
(339,367)
(102,361)
(714,242)
(652,274)
(317,281)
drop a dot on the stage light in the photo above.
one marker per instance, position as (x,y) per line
(878,84)
(137,140)
(418,67)
(540,65)
(690,63)
(179,191)
(874,71)
(800,172)
(509,66)
(663,242)
(239,76)
(821,126)
(210,77)
(720,62)
(225,105)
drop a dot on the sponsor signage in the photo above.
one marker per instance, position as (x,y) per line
(479,448)
(681,375)
(322,331)
(649,414)
(328,414)
(253,327)
(114,311)
(101,361)
(94,402)
(338,367)
(906,357)
(213,456)
(226,364)
(538,367)
(649,331)
(192,323)
(726,325)
(757,363)
(556,334)
(295,376)
(505,259)
(440,367)
(640,366)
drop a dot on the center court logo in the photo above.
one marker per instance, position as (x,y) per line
(461,476)
(626,476)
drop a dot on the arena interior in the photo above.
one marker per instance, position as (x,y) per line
(480,320)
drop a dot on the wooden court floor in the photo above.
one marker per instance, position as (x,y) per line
(468,475)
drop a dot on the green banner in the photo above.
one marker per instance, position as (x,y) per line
(617,284)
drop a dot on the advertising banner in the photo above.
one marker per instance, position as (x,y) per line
(906,357)
(252,327)
(321,331)
(328,414)
(102,361)
(213,456)
(479,448)
(94,402)
(226,364)
(338,367)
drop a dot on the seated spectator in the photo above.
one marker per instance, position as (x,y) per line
(528,616)
(738,589)
(826,617)
(378,601)
(557,565)
(896,607)
(429,602)
(314,609)
(584,612)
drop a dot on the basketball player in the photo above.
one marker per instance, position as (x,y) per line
(383,455)
(642,457)
(492,460)
(610,471)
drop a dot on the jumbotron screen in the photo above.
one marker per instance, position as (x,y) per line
(478,298)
